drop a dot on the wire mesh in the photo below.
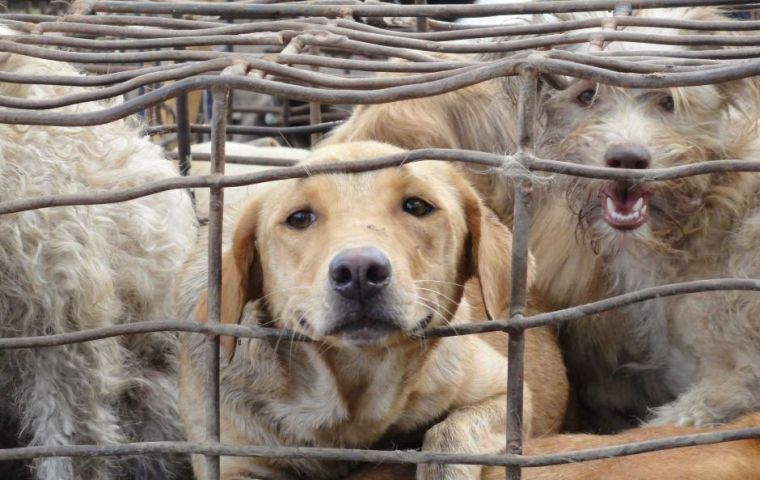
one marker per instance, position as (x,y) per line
(324,53)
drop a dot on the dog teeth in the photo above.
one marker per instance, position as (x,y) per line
(638,209)
(625,218)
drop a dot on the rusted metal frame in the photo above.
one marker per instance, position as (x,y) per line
(343,43)
(250,130)
(315,110)
(435,69)
(556,317)
(157,26)
(371,65)
(473,32)
(720,54)
(372,43)
(360,9)
(526,118)
(215,28)
(243,159)
(381,456)
(624,65)
(463,156)
(215,225)
(335,81)
(260,38)
(421,21)
(83,25)
(542,41)
(105,79)
(183,136)
(313,78)
(476,32)
(183,140)
(132,20)
(550,40)
(300,120)
(126,57)
(332,96)
(164,75)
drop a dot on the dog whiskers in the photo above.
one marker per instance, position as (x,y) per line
(441,282)
(422,302)
(442,295)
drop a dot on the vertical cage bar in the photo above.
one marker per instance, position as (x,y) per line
(519,293)
(183,135)
(216,206)
(422,23)
(315,108)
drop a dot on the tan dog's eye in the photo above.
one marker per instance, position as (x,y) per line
(586,96)
(301,219)
(417,207)
(667,104)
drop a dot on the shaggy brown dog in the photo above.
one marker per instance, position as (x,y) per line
(361,264)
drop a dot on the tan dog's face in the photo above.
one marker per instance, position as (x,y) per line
(640,129)
(365,259)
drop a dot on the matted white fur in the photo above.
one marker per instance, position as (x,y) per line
(66,269)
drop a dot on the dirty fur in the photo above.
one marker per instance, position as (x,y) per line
(66,269)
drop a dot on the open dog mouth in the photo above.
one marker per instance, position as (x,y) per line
(624,207)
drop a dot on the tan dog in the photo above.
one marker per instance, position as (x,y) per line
(361,263)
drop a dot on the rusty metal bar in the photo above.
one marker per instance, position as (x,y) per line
(360,9)
(216,206)
(350,40)
(556,317)
(381,456)
(519,294)
(250,130)
(422,22)
(541,63)
(463,156)
(174,27)
(183,135)
(315,108)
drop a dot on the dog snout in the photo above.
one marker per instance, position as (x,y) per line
(360,273)
(627,155)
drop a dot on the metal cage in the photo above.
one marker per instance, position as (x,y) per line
(321,52)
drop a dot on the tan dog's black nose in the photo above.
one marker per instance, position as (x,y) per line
(627,155)
(360,273)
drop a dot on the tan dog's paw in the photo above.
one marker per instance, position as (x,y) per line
(448,437)
(448,472)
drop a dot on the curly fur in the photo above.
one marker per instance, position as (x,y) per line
(695,357)
(72,268)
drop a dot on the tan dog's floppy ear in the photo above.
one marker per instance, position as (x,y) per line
(241,276)
(491,256)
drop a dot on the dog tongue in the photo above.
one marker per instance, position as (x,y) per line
(625,201)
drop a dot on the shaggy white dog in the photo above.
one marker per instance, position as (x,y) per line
(71,268)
